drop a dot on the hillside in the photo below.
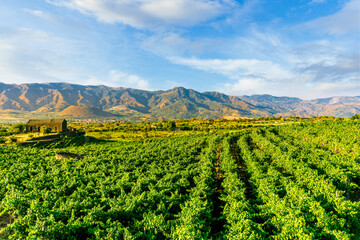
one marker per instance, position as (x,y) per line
(64,99)
(83,112)
(285,106)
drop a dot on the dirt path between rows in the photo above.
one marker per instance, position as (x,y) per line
(218,225)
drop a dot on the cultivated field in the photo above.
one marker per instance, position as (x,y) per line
(291,181)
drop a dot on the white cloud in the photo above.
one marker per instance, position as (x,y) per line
(257,59)
(128,80)
(41,14)
(245,76)
(345,21)
(234,68)
(151,13)
(28,55)
(301,86)
(266,61)
(335,87)
(245,86)
(173,44)
(116,78)
(316,2)
(327,61)
(306,77)
(341,88)
(37,13)
(343,67)
(33,56)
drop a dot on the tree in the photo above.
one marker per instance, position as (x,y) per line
(356,116)
(170,125)
(18,127)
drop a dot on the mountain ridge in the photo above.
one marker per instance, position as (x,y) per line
(178,102)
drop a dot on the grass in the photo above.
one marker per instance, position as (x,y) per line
(23,137)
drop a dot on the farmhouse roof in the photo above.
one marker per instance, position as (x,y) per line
(45,121)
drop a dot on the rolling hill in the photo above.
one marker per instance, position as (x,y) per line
(83,112)
(79,101)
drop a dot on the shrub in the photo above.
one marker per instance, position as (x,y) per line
(45,130)
(12,139)
(18,127)
(356,116)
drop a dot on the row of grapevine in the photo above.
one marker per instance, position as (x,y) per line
(341,169)
(298,181)
(281,220)
(119,190)
(196,215)
(238,210)
(294,163)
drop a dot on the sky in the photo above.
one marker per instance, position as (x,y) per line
(300,48)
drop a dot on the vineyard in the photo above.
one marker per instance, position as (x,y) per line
(295,181)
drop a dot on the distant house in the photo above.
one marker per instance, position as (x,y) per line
(56,125)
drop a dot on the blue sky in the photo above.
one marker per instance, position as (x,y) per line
(304,48)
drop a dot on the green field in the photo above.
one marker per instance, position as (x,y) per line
(289,181)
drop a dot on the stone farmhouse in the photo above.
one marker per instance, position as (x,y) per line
(56,125)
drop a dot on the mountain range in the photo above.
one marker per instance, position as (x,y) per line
(73,101)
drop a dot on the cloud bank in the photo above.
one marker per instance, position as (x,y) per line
(151,13)
(345,21)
